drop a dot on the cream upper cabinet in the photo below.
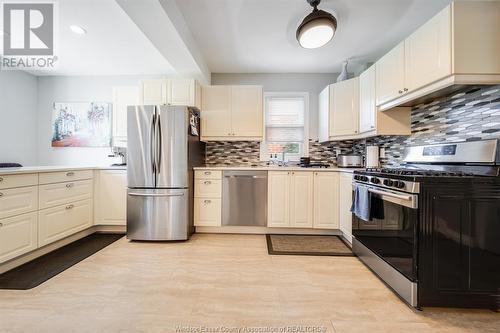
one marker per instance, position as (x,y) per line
(247,113)
(428,52)
(232,113)
(345,203)
(326,200)
(367,108)
(339,111)
(171,92)
(110,200)
(390,71)
(345,108)
(396,121)
(278,196)
(216,111)
(153,92)
(301,199)
(122,98)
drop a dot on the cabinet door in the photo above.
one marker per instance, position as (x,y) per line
(111,198)
(62,221)
(326,200)
(181,92)
(301,201)
(246,111)
(367,108)
(18,235)
(390,73)
(207,212)
(324,115)
(122,98)
(51,195)
(345,205)
(278,196)
(344,108)
(428,52)
(153,92)
(216,111)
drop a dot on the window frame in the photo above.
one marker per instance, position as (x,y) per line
(264,155)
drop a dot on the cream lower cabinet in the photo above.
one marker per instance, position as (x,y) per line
(290,199)
(18,235)
(326,200)
(15,201)
(62,221)
(207,198)
(110,200)
(345,203)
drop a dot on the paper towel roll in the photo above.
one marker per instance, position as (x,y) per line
(372,156)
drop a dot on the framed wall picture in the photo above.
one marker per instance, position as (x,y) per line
(81,124)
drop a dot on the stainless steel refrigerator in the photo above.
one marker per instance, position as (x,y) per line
(163,146)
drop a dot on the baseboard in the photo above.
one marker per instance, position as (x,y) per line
(13,263)
(266,230)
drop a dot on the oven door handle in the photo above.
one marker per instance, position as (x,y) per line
(389,194)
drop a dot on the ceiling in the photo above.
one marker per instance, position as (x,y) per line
(113,44)
(258,36)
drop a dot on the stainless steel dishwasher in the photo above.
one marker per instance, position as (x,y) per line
(244,198)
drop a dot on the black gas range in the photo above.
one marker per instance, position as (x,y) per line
(434,227)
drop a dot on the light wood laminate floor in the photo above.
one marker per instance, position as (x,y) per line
(221,281)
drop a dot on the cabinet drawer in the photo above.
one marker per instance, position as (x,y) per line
(65,176)
(207,212)
(61,221)
(207,174)
(10,181)
(17,201)
(18,235)
(61,193)
(208,188)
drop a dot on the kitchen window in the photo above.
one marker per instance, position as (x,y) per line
(286,135)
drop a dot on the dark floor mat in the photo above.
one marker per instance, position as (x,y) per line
(307,245)
(41,269)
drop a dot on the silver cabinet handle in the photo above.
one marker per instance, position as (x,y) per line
(1,179)
(207,201)
(70,185)
(1,225)
(207,182)
(156,194)
(70,206)
(400,91)
(405,89)
(69,174)
(1,194)
(208,173)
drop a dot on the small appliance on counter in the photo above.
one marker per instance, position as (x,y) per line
(305,162)
(350,160)
(119,152)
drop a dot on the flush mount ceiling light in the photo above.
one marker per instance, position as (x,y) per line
(78,30)
(317,28)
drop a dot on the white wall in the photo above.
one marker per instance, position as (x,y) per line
(18,117)
(311,83)
(74,89)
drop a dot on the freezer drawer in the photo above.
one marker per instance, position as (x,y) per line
(244,198)
(157,214)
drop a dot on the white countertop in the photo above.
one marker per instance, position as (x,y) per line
(276,168)
(38,169)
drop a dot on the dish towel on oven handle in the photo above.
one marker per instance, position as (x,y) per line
(361,203)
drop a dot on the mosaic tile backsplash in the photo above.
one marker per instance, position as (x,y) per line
(469,114)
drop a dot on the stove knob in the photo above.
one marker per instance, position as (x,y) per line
(375,180)
(388,182)
(399,184)
(357,177)
(365,179)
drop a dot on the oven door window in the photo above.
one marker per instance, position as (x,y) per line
(391,234)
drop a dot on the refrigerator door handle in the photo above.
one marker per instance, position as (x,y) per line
(152,149)
(156,194)
(159,144)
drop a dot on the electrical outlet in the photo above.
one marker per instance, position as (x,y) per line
(382,152)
